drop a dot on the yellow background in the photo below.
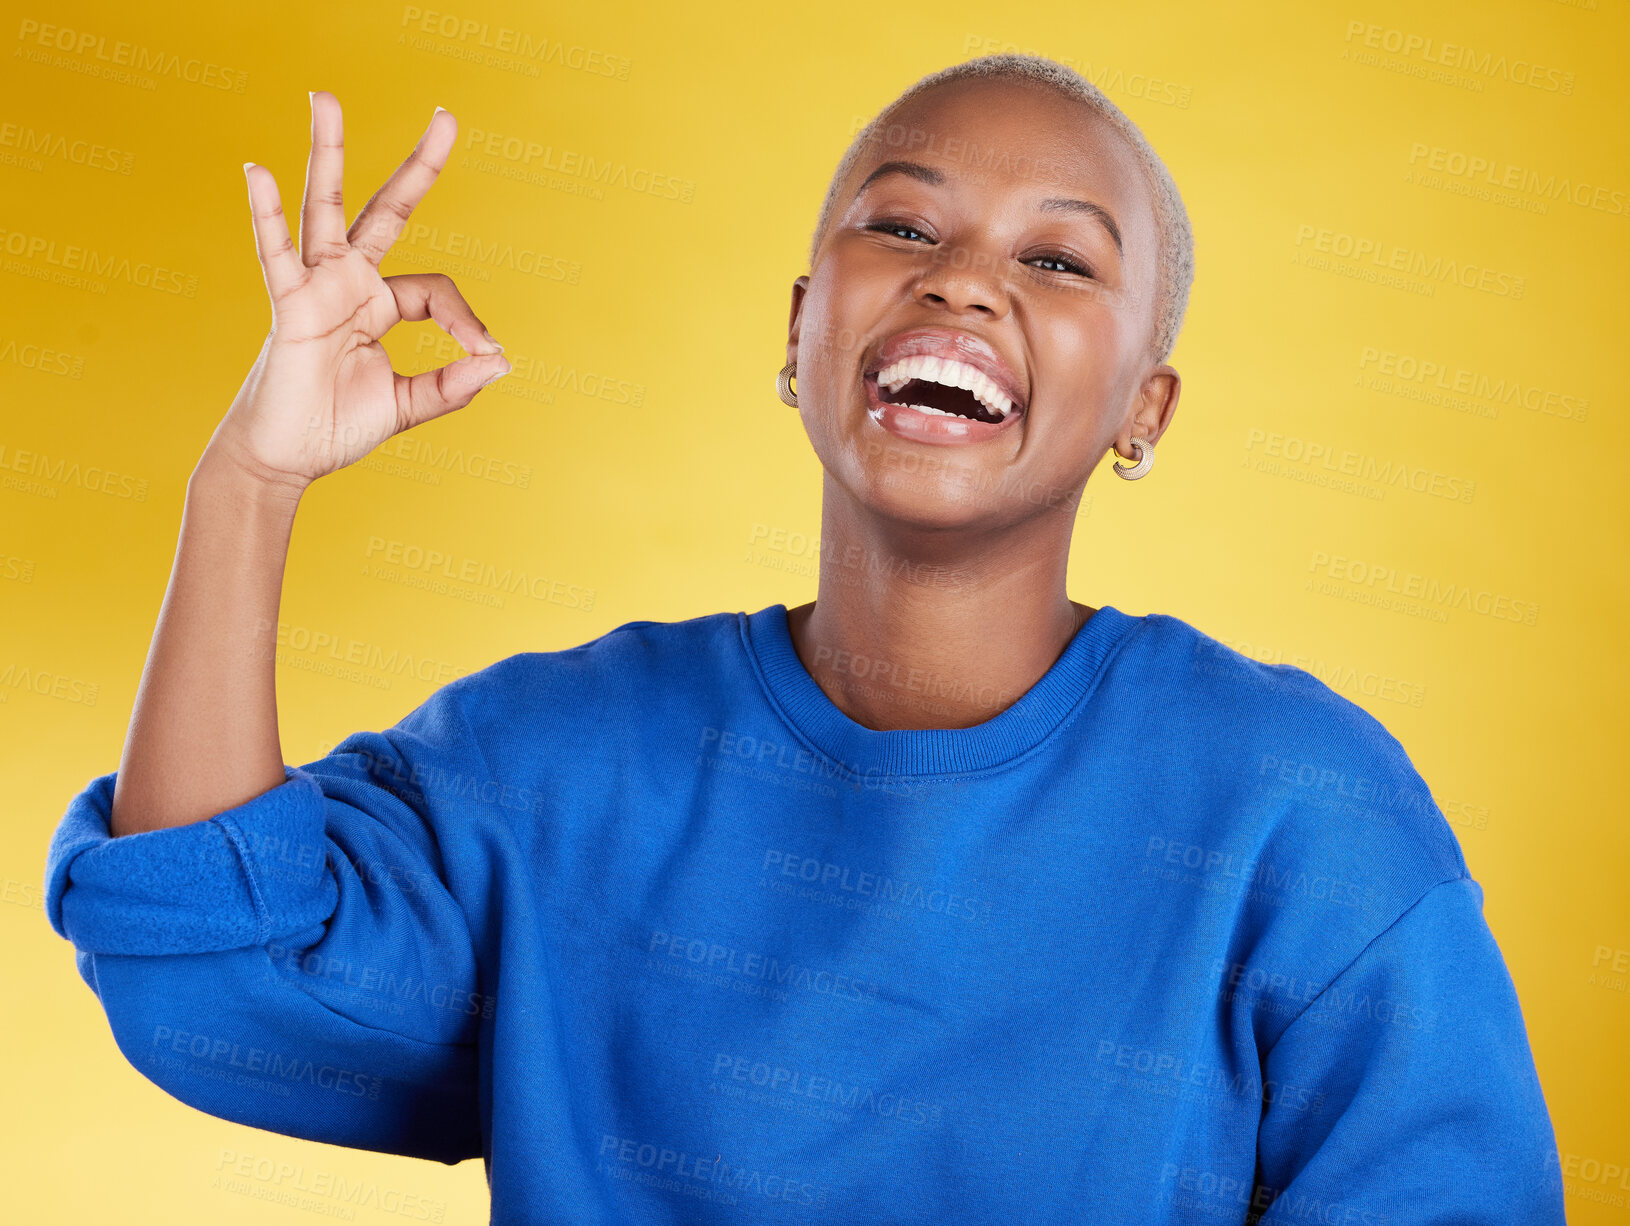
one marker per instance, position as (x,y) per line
(1276,127)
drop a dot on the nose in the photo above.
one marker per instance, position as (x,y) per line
(963,280)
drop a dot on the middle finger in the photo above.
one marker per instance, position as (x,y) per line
(322,216)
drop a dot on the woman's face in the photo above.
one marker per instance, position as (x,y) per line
(996,243)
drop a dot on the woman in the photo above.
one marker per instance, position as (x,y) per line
(941,899)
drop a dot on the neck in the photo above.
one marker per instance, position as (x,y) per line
(918,628)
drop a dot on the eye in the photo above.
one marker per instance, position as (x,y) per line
(1061,262)
(900,229)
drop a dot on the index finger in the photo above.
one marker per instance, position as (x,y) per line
(385,216)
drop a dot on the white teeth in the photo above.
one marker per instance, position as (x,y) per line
(951,373)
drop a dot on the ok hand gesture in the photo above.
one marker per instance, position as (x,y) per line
(322,393)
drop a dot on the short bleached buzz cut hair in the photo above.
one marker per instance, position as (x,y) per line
(1175,258)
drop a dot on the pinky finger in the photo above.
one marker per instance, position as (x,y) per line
(278,258)
(424,396)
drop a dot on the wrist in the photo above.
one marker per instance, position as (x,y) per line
(222,469)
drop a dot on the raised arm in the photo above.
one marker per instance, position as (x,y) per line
(288,947)
(321,395)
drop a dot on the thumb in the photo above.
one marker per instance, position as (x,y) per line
(428,395)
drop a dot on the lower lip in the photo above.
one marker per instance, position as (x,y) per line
(908,423)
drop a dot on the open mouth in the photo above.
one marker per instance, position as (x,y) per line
(944,387)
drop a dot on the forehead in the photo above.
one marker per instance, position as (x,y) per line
(1017,135)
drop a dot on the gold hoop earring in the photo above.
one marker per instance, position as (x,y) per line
(783,385)
(1146,459)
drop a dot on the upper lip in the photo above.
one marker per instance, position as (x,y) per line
(958,345)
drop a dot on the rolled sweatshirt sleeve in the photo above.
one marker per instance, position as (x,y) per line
(1426,1106)
(300,962)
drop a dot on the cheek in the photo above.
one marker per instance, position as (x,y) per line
(843,308)
(822,335)
(1078,351)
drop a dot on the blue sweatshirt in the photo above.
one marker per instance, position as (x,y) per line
(663,936)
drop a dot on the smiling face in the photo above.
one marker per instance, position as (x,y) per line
(992,260)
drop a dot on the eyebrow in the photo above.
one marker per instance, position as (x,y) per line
(935,178)
(915,169)
(1092,210)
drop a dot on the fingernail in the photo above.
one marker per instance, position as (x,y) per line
(492,340)
(497,374)
(437,111)
(246,167)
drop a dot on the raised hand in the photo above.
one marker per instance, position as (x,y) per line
(322,393)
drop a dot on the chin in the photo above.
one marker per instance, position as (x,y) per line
(921,488)
(914,483)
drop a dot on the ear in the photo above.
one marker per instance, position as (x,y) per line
(1152,410)
(800,287)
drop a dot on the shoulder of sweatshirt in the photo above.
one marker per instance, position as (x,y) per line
(1297,773)
(588,690)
